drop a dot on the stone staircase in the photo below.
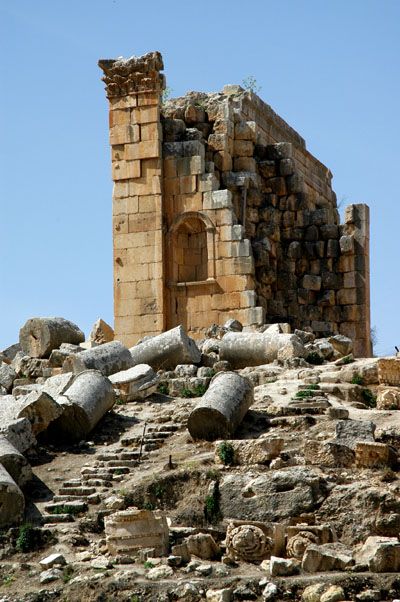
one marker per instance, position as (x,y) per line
(109,467)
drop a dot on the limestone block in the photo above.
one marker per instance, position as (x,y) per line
(346,245)
(7,376)
(137,382)
(388,398)
(328,453)
(101,333)
(274,495)
(14,462)
(222,407)
(219,595)
(125,170)
(243,148)
(39,336)
(128,531)
(366,369)
(334,593)
(300,536)
(342,344)
(327,557)
(283,567)
(312,282)
(389,371)
(84,403)
(166,350)
(203,546)
(371,455)
(350,432)
(108,358)
(252,451)
(18,431)
(382,554)
(12,501)
(245,130)
(39,408)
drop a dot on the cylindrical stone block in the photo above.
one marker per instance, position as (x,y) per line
(12,502)
(39,336)
(108,359)
(85,402)
(243,349)
(222,407)
(167,350)
(14,462)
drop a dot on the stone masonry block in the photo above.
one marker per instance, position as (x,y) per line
(372,455)
(218,199)
(312,282)
(147,149)
(124,134)
(125,170)
(346,245)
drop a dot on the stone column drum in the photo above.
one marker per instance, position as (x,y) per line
(222,407)
(39,336)
(85,402)
(167,350)
(108,358)
(12,502)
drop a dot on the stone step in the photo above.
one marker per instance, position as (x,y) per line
(57,518)
(72,483)
(97,474)
(93,498)
(150,446)
(76,490)
(105,457)
(99,482)
(118,470)
(127,441)
(127,463)
(171,428)
(71,507)
(134,455)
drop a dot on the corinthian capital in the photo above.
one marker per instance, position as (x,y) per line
(135,74)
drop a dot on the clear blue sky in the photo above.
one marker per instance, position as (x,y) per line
(331,68)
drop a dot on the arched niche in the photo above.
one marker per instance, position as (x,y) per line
(191,249)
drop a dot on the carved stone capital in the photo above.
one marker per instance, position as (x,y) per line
(133,75)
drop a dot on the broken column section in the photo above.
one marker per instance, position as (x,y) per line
(167,350)
(222,407)
(39,336)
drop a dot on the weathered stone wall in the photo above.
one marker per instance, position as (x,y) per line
(226,215)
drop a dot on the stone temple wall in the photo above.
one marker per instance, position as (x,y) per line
(220,211)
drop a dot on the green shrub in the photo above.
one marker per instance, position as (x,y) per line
(226,453)
(314,358)
(28,538)
(347,359)
(68,571)
(368,398)
(304,393)
(212,510)
(357,380)
(148,565)
(187,393)
(163,388)
(199,390)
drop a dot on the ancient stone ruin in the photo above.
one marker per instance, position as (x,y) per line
(220,211)
(226,443)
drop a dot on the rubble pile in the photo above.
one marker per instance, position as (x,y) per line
(253,464)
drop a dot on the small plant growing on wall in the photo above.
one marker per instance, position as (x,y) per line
(166,94)
(250,84)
